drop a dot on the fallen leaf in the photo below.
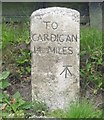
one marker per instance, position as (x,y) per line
(13,101)
(3,106)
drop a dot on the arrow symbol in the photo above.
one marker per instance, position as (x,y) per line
(66,70)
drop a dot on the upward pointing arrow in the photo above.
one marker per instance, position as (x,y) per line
(66,70)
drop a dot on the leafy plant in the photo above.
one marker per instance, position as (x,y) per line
(14,106)
(4,83)
(23,62)
(11,106)
(16,37)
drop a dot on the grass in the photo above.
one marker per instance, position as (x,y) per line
(91,58)
(83,109)
(15,48)
(13,34)
(90,39)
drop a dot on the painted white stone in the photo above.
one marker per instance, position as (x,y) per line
(55,56)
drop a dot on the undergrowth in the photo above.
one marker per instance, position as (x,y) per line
(91,55)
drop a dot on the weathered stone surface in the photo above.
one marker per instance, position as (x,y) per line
(55,56)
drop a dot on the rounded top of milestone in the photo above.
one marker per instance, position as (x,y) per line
(55,10)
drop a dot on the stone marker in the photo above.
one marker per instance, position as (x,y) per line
(55,56)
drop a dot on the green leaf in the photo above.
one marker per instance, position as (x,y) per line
(0,85)
(4,84)
(26,105)
(21,102)
(5,96)
(1,105)
(15,106)
(28,69)
(4,114)
(1,97)
(16,95)
(100,84)
(20,114)
(4,75)
(0,45)
(82,52)
(88,66)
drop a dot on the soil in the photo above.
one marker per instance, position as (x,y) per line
(23,87)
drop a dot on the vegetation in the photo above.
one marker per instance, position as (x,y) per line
(16,52)
(16,67)
(91,59)
(83,109)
